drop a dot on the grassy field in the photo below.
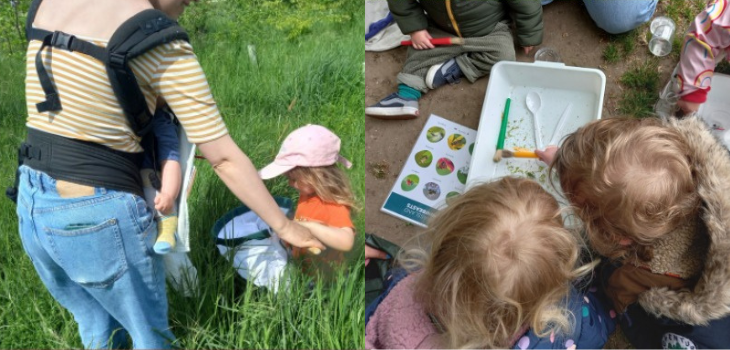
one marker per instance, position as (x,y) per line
(273,66)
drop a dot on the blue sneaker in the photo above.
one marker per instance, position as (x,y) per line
(394,107)
(440,74)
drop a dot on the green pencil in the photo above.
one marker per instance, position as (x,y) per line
(502,132)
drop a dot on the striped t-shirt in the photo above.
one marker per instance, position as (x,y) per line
(90,111)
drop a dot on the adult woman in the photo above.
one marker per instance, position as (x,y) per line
(91,245)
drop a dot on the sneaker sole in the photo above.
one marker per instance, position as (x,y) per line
(392,113)
(431,74)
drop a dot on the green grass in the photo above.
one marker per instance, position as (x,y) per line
(620,46)
(682,13)
(641,89)
(310,74)
(611,54)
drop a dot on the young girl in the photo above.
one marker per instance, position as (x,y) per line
(308,158)
(654,198)
(499,274)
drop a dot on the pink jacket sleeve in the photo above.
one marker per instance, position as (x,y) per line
(706,38)
(401,322)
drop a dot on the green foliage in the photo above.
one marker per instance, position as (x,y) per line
(296,17)
(12,26)
(267,19)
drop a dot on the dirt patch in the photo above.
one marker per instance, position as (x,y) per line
(380,170)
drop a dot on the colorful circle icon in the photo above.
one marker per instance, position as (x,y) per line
(424,158)
(435,134)
(409,183)
(444,166)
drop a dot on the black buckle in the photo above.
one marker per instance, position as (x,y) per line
(27,151)
(12,193)
(117,60)
(62,40)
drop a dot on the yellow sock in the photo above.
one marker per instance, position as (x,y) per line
(166,228)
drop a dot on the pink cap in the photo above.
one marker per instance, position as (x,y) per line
(308,146)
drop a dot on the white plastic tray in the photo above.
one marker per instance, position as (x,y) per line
(557,85)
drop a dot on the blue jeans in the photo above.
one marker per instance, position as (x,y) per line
(94,254)
(618,16)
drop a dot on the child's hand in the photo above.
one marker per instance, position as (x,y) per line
(548,155)
(688,107)
(372,253)
(527,49)
(164,202)
(421,40)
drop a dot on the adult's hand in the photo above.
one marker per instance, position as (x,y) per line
(688,107)
(298,236)
(421,40)
(548,155)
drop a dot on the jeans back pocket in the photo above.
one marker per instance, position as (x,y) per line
(91,255)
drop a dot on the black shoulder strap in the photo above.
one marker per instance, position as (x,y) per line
(137,35)
(31,17)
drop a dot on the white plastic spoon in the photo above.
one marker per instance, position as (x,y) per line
(534,102)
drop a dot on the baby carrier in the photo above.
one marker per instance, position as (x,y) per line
(93,164)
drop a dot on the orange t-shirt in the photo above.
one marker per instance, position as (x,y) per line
(313,209)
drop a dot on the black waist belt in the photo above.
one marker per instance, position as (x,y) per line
(82,162)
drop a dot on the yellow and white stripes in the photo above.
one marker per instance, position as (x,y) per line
(91,111)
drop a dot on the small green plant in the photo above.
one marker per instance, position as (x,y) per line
(641,90)
(628,41)
(610,53)
(620,46)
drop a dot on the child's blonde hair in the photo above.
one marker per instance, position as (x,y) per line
(500,259)
(329,183)
(627,178)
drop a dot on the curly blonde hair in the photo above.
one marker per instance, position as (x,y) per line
(500,259)
(329,183)
(627,178)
